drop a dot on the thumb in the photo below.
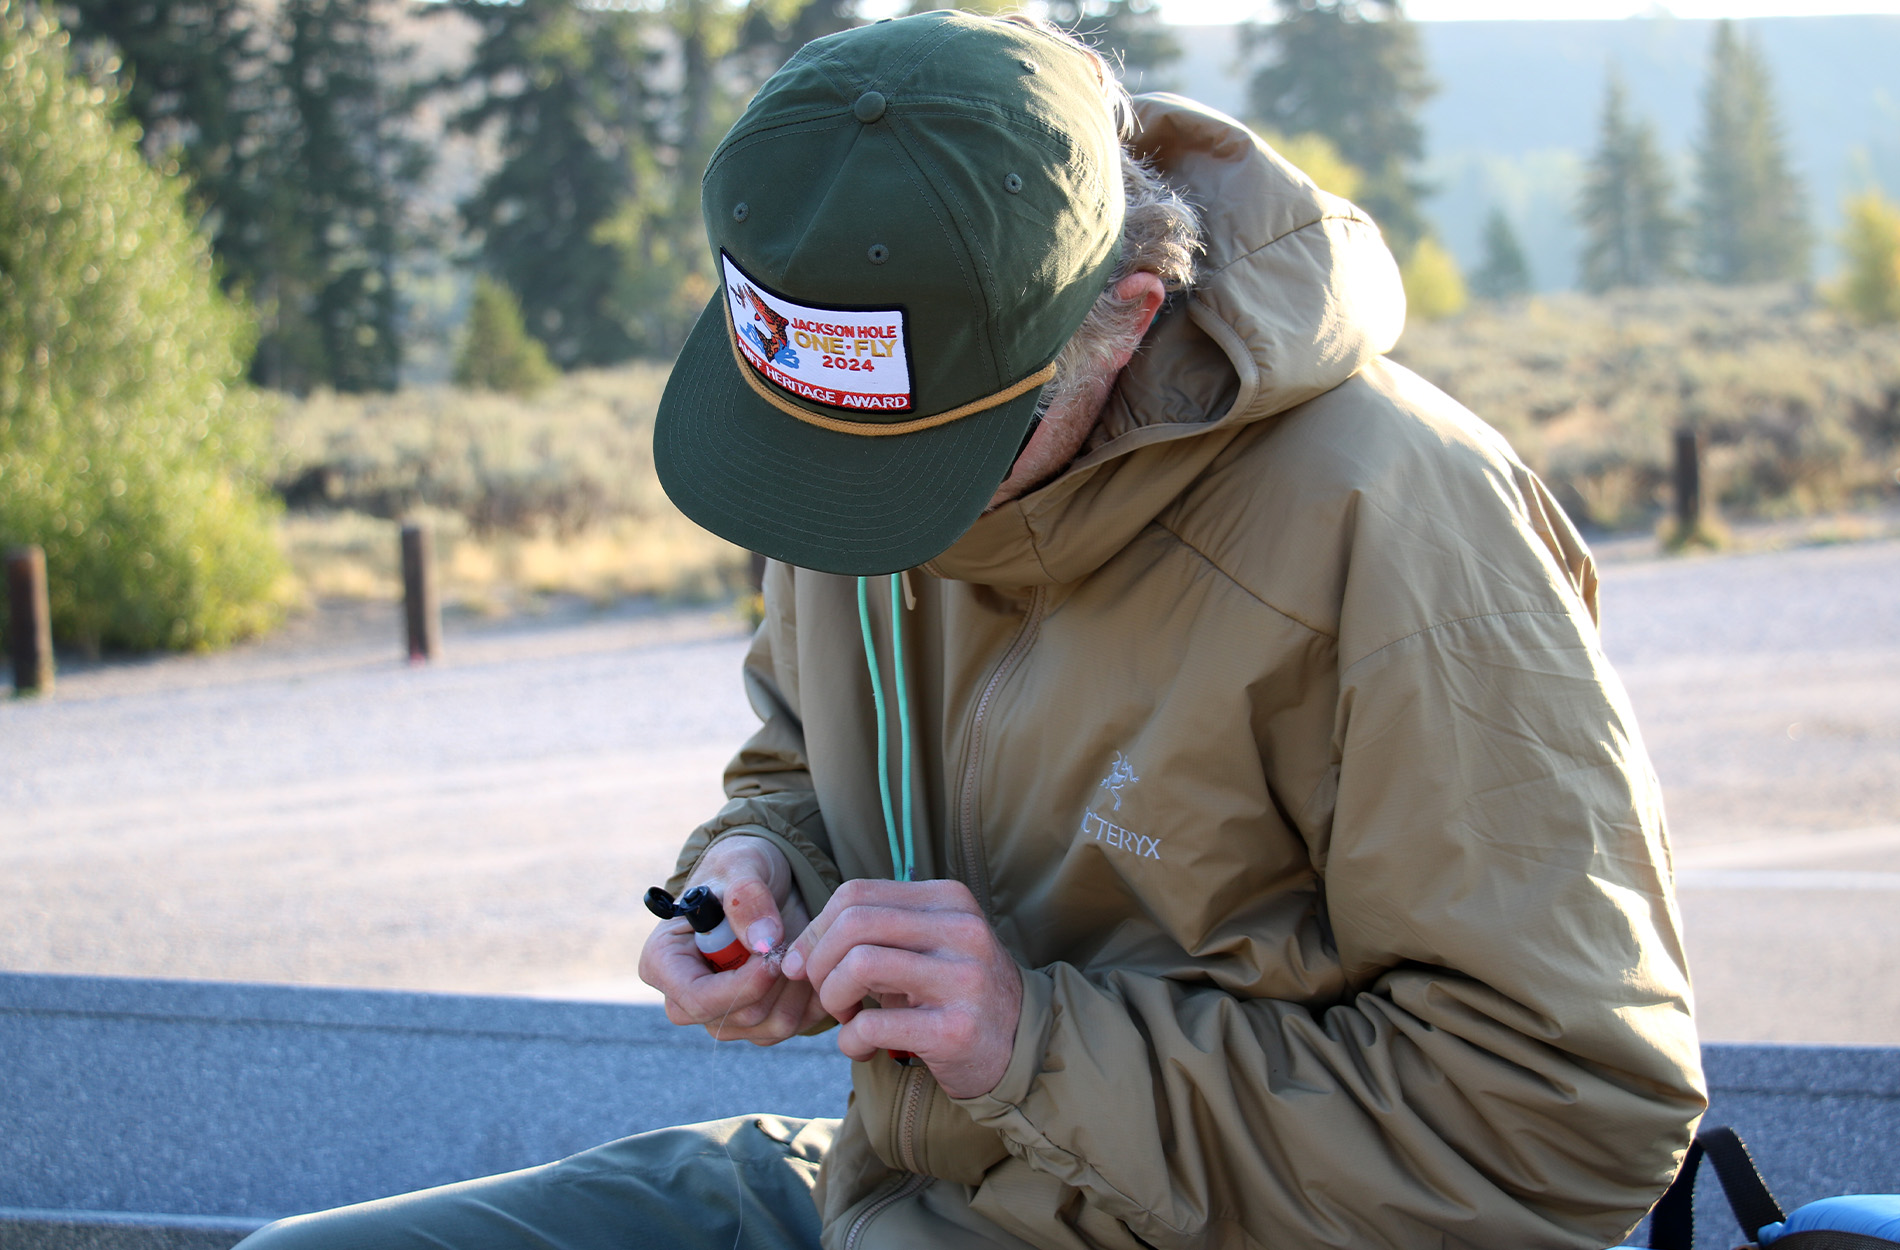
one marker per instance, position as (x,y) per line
(753,912)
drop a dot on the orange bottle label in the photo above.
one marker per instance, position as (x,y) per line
(729,957)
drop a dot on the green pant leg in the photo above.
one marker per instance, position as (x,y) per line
(742,1182)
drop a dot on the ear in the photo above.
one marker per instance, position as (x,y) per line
(1148,289)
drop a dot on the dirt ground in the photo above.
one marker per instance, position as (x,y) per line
(309,809)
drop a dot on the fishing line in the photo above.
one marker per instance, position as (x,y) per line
(738,1183)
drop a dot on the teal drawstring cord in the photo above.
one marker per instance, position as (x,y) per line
(903,722)
(901,856)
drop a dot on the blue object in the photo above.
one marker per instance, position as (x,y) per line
(1870,1215)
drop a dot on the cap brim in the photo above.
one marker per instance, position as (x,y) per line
(838,503)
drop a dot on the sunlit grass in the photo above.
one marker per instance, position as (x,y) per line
(554,495)
(1799,409)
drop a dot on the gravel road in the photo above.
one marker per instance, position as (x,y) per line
(307,809)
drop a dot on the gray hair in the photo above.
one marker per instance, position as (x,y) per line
(1161,233)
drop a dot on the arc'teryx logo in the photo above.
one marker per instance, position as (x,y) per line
(1121,774)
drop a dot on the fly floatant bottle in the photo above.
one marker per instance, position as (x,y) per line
(712,932)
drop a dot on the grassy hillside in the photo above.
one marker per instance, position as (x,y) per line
(1799,410)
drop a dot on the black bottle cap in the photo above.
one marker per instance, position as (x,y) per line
(699,905)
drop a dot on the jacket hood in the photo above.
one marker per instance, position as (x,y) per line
(1297,292)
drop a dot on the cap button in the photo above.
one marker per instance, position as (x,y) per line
(869,108)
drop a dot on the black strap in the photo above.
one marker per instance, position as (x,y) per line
(1748,1195)
(1672,1220)
(1832,1239)
(1672,1223)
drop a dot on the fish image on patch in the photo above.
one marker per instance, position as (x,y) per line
(856,358)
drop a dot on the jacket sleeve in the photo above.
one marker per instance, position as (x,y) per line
(768,784)
(1516,1063)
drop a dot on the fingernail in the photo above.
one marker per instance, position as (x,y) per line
(794,962)
(761,936)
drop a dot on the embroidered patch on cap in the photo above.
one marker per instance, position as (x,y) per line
(844,357)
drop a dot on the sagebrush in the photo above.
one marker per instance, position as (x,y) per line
(1798,408)
(546,494)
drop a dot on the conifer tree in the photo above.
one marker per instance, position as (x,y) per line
(1353,71)
(1505,273)
(1751,224)
(342,174)
(563,90)
(1633,236)
(497,353)
(286,118)
(189,76)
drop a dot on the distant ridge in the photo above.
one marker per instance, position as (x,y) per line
(1517,112)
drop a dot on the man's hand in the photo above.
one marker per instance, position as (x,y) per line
(951,994)
(752,1002)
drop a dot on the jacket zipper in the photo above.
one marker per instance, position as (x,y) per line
(910,1100)
(974,874)
(910,1185)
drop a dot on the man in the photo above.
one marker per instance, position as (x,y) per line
(1225,831)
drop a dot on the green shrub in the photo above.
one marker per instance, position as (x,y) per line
(1870,290)
(1434,289)
(1315,156)
(498,354)
(129,448)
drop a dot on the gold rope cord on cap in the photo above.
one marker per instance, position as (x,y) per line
(874,429)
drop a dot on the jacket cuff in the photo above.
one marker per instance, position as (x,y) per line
(1001,1108)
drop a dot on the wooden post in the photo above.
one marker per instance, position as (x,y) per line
(31,625)
(421,612)
(1688,483)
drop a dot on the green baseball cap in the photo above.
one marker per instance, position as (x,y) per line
(908,223)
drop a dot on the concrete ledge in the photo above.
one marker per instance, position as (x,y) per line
(173,1115)
(253,1102)
(116,1230)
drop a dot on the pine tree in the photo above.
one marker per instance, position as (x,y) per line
(563,90)
(1633,235)
(343,172)
(497,353)
(1751,224)
(188,75)
(287,121)
(1353,71)
(1505,273)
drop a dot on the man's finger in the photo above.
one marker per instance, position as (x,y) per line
(917,896)
(745,1020)
(695,993)
(869,970)
(907,1029)
(867,926)
(753,913)
(749,874)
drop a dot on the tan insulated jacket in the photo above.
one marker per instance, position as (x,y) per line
(1276,739)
